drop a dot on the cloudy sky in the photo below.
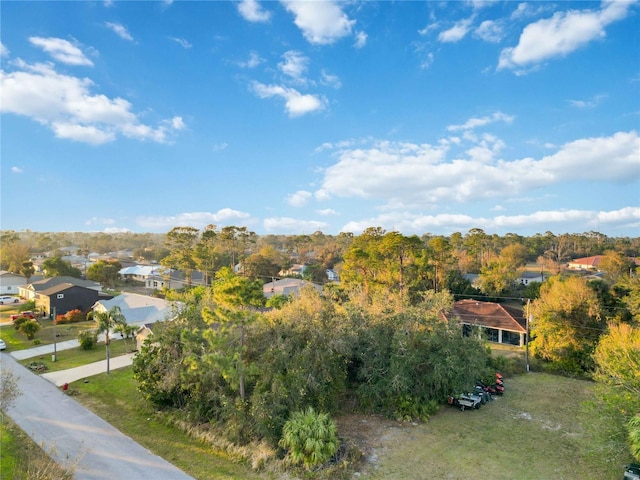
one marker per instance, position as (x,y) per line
(291,117)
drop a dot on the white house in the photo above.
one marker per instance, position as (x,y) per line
(10,282)
(140,309)
(287,286)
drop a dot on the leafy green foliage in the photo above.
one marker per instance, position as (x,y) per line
(29,328)
(309,438)
(88,339)
(56,267)
(568,321)
(105,272)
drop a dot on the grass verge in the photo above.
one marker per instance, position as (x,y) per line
(22,459)
(17,341)
(75,357)
(115,398)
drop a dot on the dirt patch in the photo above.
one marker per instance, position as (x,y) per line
(372,434)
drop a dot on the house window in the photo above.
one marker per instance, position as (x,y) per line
(60,295)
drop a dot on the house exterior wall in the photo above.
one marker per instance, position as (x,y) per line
(72,298)
(10,283)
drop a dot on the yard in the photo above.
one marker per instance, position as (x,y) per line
(537,430)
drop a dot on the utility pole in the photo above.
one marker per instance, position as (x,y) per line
(528,318)
(55,337)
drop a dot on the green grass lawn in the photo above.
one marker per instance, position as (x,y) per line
(537,430)
(114,397)
(75,357)
(22,459)
(17,341)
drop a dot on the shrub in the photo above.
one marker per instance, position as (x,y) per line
(72,316)
(29,328)
(310,438)
(19,321)
(88,339)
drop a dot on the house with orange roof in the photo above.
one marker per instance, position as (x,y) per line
(499,323)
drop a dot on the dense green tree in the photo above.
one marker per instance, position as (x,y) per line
(27,269)
(181,242)
(567,323)
(258,267)
(237,299)
(56,267)
(105,272)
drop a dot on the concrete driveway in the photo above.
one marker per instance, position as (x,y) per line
(71,433)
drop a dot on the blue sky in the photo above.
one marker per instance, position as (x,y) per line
(292,117)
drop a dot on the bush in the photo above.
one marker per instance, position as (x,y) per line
(29,328)
(72,316)
(310,438)
(88,339)
(19,321)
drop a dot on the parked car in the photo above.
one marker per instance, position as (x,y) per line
(2,344)
(8,299)
(27,313)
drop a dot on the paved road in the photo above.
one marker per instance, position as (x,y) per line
(70,432)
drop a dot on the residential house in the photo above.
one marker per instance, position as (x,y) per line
(29,291)
(157,277)
(64,297)
(140,309)
(296,270)
(287,286)
(11,282)
(585,263)
(528,277)
(145,331)
(500,323)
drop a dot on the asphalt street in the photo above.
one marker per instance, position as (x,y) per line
(71,434)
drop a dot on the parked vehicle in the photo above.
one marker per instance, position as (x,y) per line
(465,400)
(27,313)
(632,472)
(8,299)
(2,344)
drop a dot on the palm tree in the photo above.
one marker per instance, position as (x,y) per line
(107,321)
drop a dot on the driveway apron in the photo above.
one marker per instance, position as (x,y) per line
(72,434)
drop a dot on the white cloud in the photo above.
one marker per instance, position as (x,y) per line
(252,11)
(4,51)
(119,30)
(15,169)
(253,61)
(220,146)
(292,225)
(561,35)
(294,65)
(566,220)
(322,23)
(489,31)
(100,221)
(330,80)
(299,199)
(481,122)
(428,178)
(62,50)
(182,42)
(193,219)
(589,103)
(296,103)
(457,32)
(66,104)
(113,230)
(325,212)
(361,40)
